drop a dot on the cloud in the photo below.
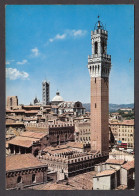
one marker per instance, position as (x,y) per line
(22,62)
(8,62)
(58,36)
(14,74)
(78,33)
(69,33)
(35,51)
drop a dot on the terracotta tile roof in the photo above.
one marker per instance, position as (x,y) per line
(21,161)
(60,147)
(82,181)
(15,123)
(31,112)
(7,110)
(14,111)
(37,129)
(128,165)
(31,106)
(48,148)
(29,119)
(61,151)
(105,172)
(125,122)
(54,186)
(75,144)
(57,149)
(23,141)
(33,135)
(19,111)
(115,161)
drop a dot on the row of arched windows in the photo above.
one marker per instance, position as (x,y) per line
(20,179)
(95,69)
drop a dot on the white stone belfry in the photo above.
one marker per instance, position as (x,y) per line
(99,63)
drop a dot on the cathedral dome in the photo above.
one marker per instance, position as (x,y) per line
(57,98)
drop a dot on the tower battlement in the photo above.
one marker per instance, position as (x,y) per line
(99,31)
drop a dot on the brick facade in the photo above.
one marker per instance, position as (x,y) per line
(23,171)
(12,102)
(99,114)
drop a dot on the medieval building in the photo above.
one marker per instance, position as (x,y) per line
(23,171)
(12,102)
(99,65)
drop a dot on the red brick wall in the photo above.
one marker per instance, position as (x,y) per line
(99,115)
(11,182)
(61,131)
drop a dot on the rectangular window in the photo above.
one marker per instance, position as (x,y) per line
(95,105)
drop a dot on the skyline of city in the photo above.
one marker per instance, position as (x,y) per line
(63,50)
(56,143)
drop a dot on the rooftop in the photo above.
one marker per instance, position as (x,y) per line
(54,186)
(106,172)
(14,123)
(31,106)
(21,161)
(33,135)
(125,122)
(115,161)
(128,165)
(15,111)
(75,144)
(31,111)
(23,141)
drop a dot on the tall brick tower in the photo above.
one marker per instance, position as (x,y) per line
(99,65)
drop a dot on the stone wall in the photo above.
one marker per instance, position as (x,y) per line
(26,178)
(12,102)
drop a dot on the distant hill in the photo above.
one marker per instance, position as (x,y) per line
(112,107)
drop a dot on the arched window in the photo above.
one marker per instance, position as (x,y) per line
(19,179)
(57,139)
(66,137)
(33,178)
(10,101)
(103,47)
(36,152)
(98,68)
(96,47)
